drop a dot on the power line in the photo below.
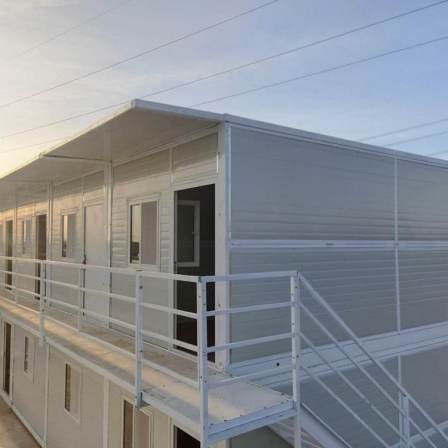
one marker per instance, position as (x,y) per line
(438,153)
(63,33)
(226,71)
(321,72)
(138,55)
(414,139)
(33,145)
(408,128)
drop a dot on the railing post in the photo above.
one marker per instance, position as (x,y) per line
(81,283)
(138,339)
(15,281)
(404,421)
(201,303)
(43,295)
(295,330)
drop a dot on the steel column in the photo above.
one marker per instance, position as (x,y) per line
(201,293)
(138,339)
(295,351)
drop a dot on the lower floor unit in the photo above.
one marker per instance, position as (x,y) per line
(64,402)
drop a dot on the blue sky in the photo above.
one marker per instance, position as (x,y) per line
(357,102)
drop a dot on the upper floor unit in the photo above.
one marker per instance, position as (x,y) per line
(212,217)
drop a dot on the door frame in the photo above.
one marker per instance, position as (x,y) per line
(197,236)
(172,297)
(5,242)
(36,248)
(4,323)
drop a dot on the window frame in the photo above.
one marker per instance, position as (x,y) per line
(196,262)
(66,214)
(124,400)
(140,202)
(25,235)
(76,416)
(28,356)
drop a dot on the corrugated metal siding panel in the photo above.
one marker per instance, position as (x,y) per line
(288,189)
(339,419)
(148,177)
(423,287)
(422,199)
(358,284)
(27,195)
(195,157)
(154,177)
(424,376)
(67,198)
(144,178)
(93,187)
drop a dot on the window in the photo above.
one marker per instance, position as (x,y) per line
(68,232)
(143,233)
(25,236)
(72,391)
(28,356)
(188,233)
(128,424)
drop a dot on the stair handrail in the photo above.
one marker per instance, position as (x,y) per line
(378,364)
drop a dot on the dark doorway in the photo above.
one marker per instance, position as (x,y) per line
(194,255)
(8,253)
(41,247)
(128,424)
(183,440)
(7,330)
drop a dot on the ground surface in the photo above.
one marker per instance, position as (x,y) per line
(12,433)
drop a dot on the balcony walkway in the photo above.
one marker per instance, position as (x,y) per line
(232,407)
(12,433)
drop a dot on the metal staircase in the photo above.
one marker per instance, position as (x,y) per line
(361,399)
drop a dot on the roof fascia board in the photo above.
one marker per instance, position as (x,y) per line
(177,110)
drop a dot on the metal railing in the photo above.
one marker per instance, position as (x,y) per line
(407,423)
(208,377)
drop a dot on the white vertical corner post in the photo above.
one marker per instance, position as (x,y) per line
(295,351)
(202,356)
(15,252)
(222,252)
(49,248)
(108,182)
(42,298)
(108,198)
(138,339)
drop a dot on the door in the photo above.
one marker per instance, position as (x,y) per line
(194,255)
(184,440)
(9,253)
(41,247)
(95,255)
(7,339)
